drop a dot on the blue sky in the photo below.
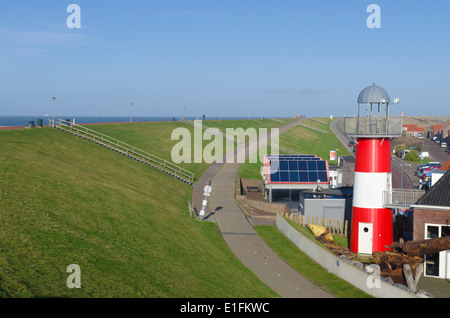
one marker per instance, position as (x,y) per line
(263,57)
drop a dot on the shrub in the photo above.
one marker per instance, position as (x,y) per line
(412,156)
(398,150)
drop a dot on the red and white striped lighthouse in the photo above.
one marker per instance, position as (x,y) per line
(372,224)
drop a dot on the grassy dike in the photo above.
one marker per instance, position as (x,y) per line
(156,137)
(65,201)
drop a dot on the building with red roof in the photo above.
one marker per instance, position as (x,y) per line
(414,131)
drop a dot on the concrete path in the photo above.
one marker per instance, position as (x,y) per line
(248,247)
(242,238)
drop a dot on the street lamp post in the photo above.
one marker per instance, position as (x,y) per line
(401,176)
(131,109)
(53,124)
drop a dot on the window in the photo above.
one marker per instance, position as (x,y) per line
(432,231)
(435,264)
(280,195)
(432,260)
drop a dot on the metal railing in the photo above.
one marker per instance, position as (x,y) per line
(373,126)
(124,148)
(399,198)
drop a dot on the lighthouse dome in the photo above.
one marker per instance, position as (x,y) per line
(373,94)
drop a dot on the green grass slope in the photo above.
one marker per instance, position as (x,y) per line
(65,201)
(155,137)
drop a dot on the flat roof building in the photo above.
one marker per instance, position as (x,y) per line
(285,176)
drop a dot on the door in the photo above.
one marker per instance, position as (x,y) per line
(365,238)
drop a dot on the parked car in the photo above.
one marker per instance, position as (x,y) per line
(447,149)
(427,171)
(429,168)
(428,164)
(444,144)
(351,143)
(424,154)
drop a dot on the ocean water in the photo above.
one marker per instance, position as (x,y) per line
(24,120)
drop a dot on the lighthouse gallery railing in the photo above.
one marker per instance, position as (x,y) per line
(373,126)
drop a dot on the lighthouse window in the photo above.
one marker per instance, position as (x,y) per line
(366,230)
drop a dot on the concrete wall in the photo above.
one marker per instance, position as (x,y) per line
(338,267)
(325,208)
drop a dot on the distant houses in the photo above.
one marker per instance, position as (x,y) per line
(414,131)
(442,131)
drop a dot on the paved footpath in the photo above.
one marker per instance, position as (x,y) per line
(250,248)
(244,241)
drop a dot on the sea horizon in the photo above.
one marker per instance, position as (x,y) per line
(11,121)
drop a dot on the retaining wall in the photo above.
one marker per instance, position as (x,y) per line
(338,267)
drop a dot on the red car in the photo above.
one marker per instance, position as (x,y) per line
(424,171)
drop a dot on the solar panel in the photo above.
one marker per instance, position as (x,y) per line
(303,176)
(275,177)
(293,158)
(284,176)
(297,169)
(321,165)
(293,165)
(293,176)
